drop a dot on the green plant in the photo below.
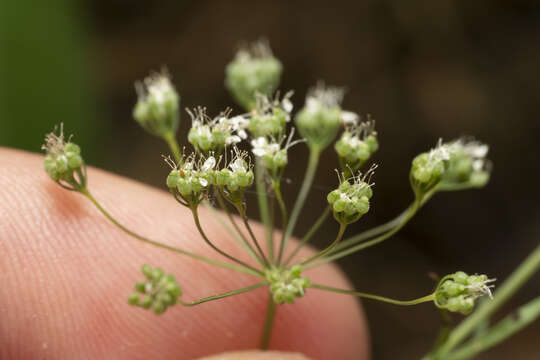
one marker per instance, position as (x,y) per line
(218,169)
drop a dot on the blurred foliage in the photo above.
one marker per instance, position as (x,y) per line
(44,74)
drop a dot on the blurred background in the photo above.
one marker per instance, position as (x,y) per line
(424,70)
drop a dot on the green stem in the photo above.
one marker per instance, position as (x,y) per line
(527,268)
(384,227)
(205,238)
(322,218)
(173,145)
(242,213)
(86,193)
(221,296)
(412,210)
(240,239)
(277,190)
(271,308)
(342,227)
(507,327)
(426,298)
(313,161)
(262,198)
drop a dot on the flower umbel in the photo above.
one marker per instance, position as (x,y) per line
(356,145)
(458,292)
(158,291)
(157,109)
(217,172)
(468,164)
(270,116)
(351,200)
(63,161)
(318,121)
(214,134)
(253,70)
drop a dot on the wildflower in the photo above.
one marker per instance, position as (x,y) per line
(286,284)
(468,164)
(270,115)
(214,134)
(273,153)
(192,179)
(238,174)
(458,292)
(253,70)
(157,107)
(350,201)
(319,120)
(63,161)
(158,291)
(428,168)
(357,144)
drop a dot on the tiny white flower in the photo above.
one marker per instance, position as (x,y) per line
(209,164)
(203,182)
(349,118)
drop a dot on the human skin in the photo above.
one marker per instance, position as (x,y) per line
(65,273)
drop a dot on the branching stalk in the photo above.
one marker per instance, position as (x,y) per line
(244,270)
(262,198)
(205,238)
(224,295)
(342,227)
(426,298)
(313,161)
(322,218)
(375,241)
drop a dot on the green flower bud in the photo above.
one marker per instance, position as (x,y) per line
(157,107)
(356,145)
(458,292)
(319,120)
(270,116)
(254,70)
(133,299)
(214,134)
(350,201)
(468,166)
(286,284)
(160,291)
(63,161)
(428,168)
(273,154)
(191,181)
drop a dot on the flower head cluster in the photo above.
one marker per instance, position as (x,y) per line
(468,163)
(428,168)
(237,175)
(191,180)
(63,161)
(158,291)
(318,121)
(351,200)
(273,153)
(270,116)
(458,292)
(214,134)
(157,109)
(254,69)
(287,284)
(357,143)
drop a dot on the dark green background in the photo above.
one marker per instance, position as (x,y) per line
(423,69)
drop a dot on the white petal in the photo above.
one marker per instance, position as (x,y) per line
(209,164)
(203,182)
(287,105)
(349,118)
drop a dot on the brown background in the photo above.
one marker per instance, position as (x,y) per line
(423,69)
